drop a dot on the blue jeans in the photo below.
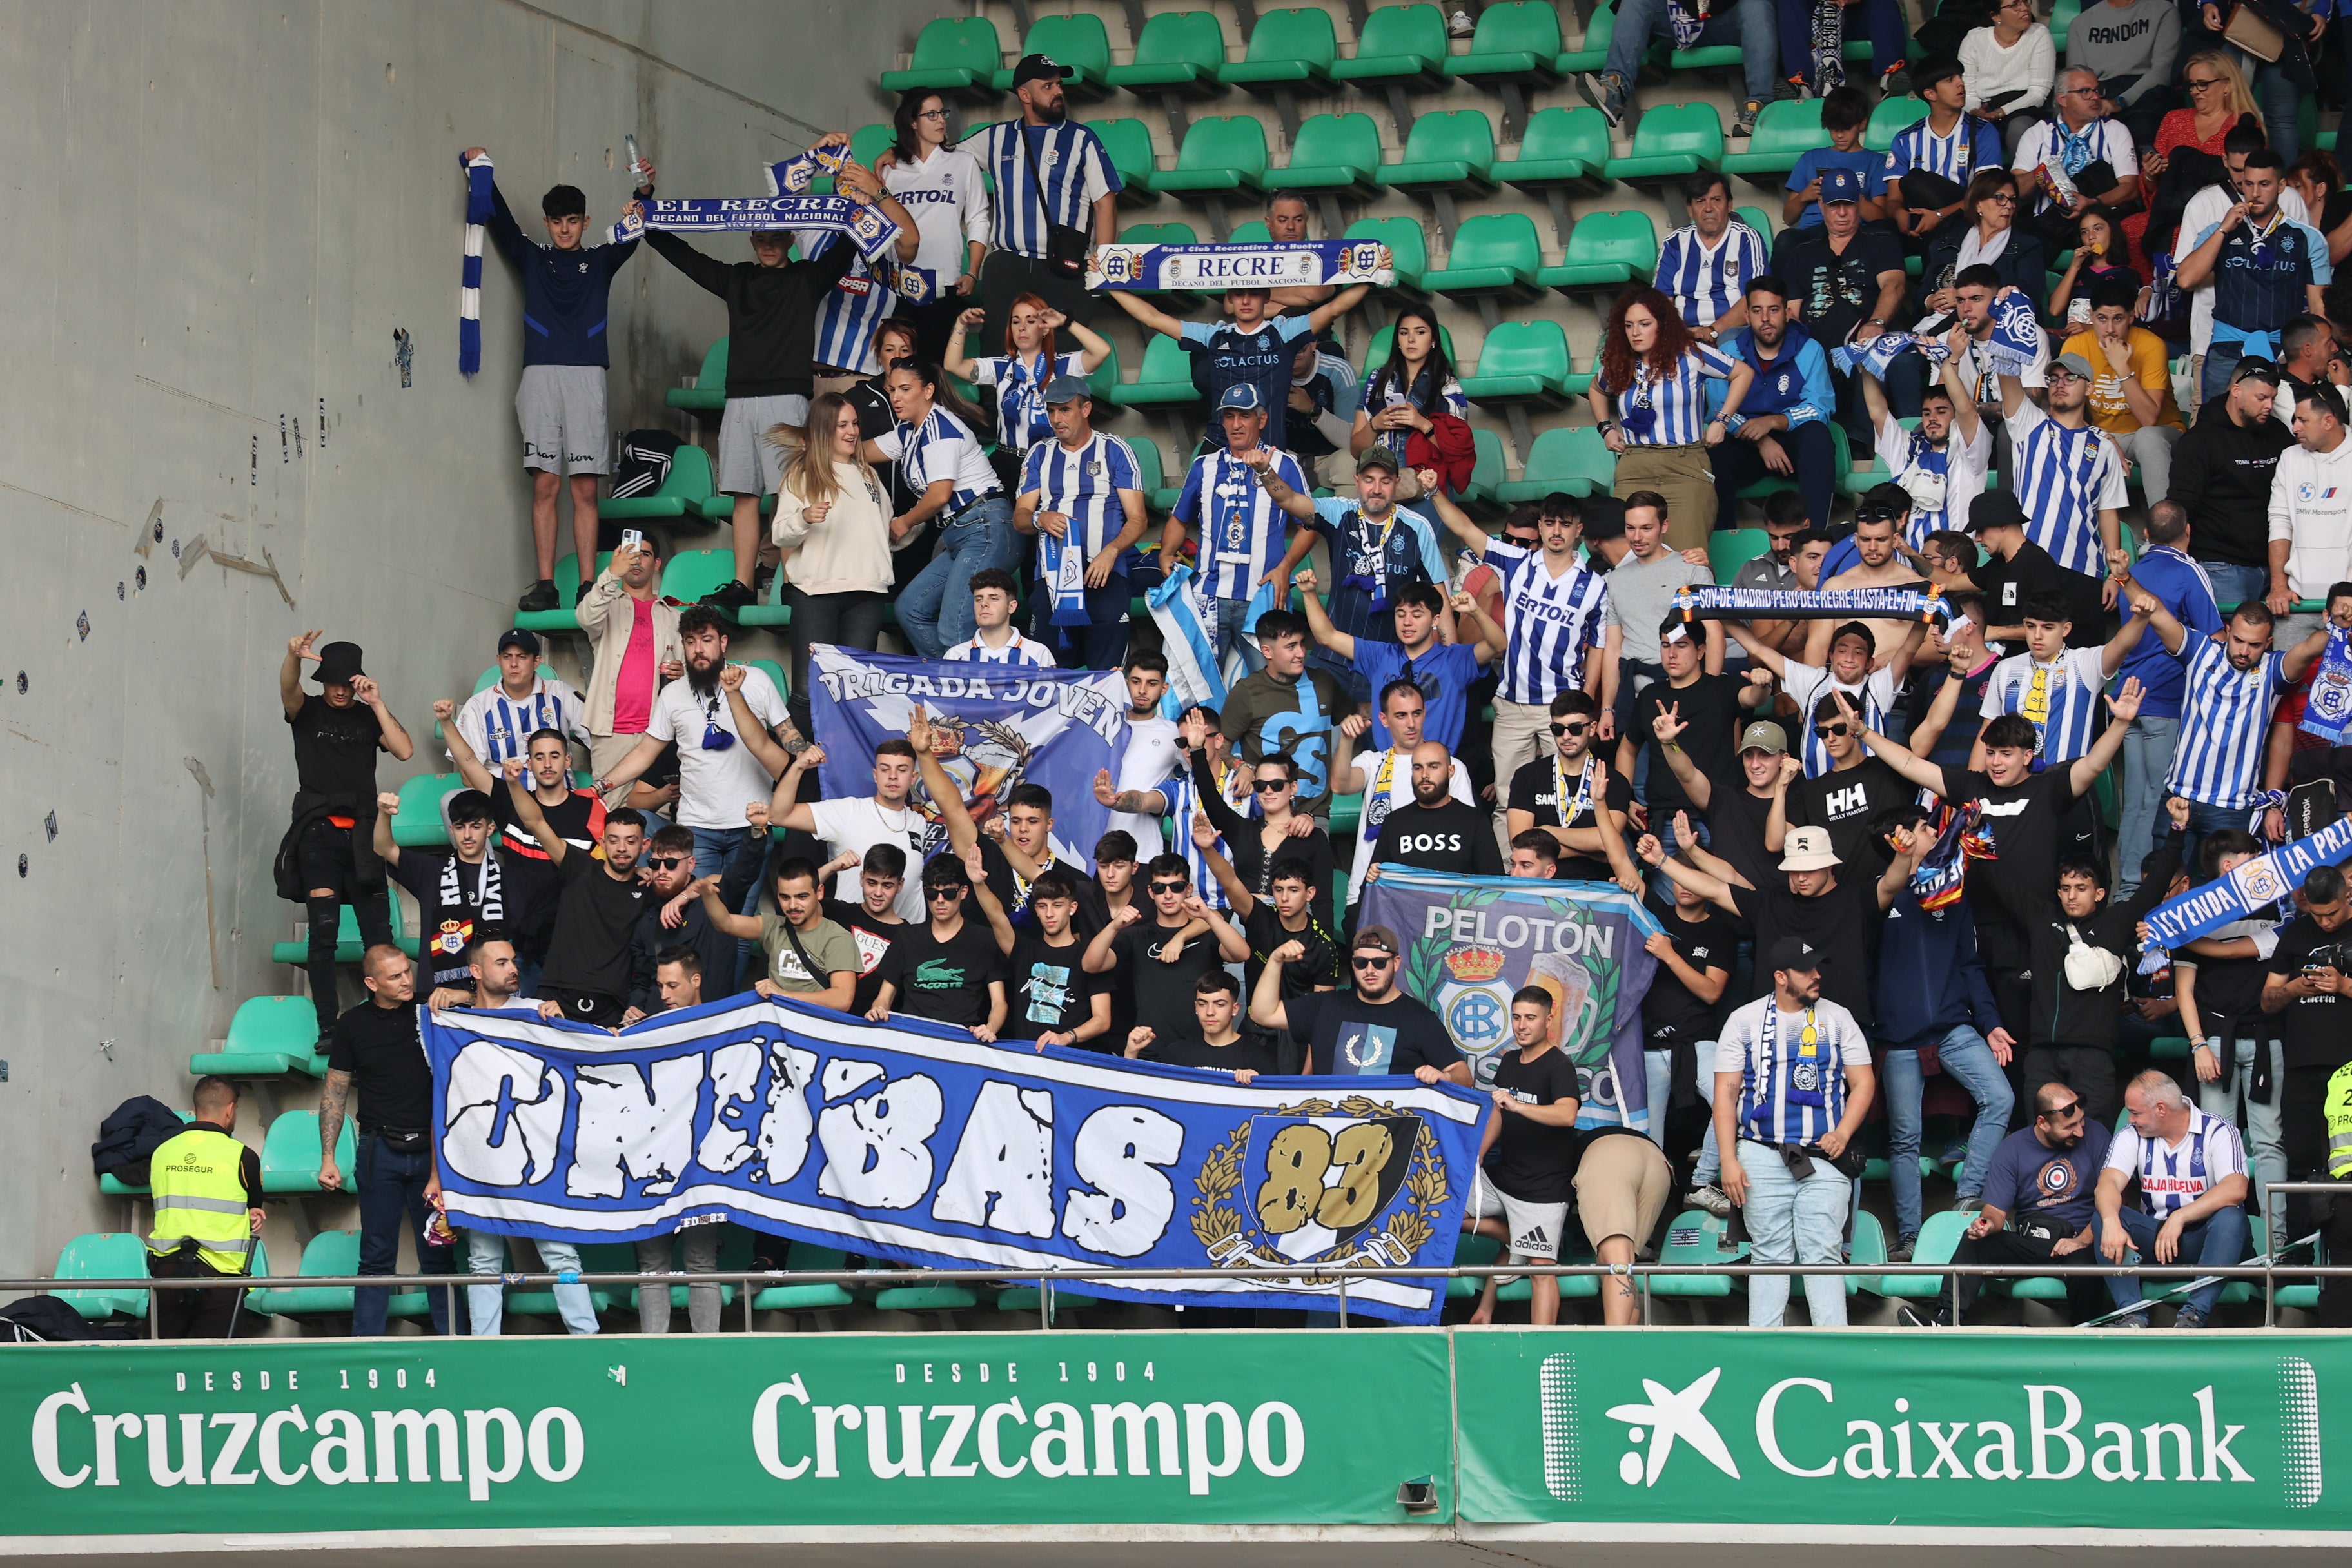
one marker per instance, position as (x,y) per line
(486,1258)
(1231,613)
(2213,382)
(1963,1053)
(1789,1221)
(1658,1067)
(2148,746)
(391,1186)
(716,850)
(935,611)
(2215,1241)
(2233,585)
(2204,821)
(1753,28)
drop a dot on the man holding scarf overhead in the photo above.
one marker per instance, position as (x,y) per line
(1377,549)
(1082,496)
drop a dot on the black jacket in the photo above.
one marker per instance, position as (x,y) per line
(716,949)
(2063,1016)
(127,1138)
(770,313)
(2221,473)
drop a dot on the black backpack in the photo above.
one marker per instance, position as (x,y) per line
(646,458)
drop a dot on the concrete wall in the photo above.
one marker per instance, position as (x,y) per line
(222,210)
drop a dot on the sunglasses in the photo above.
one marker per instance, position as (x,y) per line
(2061,1113)
(1168,887)
(1270,786)
(1377,960)
(1825,730)
(935,894)
(1575,727)
(666,862)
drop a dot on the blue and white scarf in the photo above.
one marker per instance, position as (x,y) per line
(479,181)
(1195,677)
(1160,268)
(786,206)
(2328,712)
(1872,357)
(2248,892)
(1064,567)
(2016,339)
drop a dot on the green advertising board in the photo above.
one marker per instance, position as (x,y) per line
(786,1430)
(1949,1430)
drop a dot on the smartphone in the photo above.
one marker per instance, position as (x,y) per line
(631,538)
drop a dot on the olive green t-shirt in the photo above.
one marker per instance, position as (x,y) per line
(830,948)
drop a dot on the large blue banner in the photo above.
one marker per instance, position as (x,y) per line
(2256,888)
(1471,941)
(993,726)
(918,1142)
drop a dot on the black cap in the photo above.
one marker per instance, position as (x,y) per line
(515,637)
(1794,952)
(338,662)
(1038,68)
(1995,509)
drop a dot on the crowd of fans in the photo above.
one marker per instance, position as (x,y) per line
(1511,692)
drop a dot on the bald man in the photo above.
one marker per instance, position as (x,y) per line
(1437,832)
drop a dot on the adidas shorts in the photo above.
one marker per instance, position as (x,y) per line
(748,463)
(1536,1228)
(561,408)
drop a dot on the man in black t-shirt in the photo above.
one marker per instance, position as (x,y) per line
(1375,1030)
(1224,1044)
(577,816)
(376,1049)
(1159,958)
(1857,787)
(1052,1000)
(1844,279)
(2017,571)
(1527,1154)
(1577,798)
(1735,812)
(1706,714)
(1286,915)
(337,732)
(455,891)
(1694,951)
(1437,832)
(945,969)
(595,912)
(873,922)
(2308,978)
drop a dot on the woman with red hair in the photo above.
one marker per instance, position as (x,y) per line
(1650,400)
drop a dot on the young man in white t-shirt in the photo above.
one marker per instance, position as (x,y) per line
(1385,775)
(2191,1170)
(993,594)
(854,827)
(1137,802)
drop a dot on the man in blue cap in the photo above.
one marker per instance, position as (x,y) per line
(1240,524)
(1082,496)
(1845,283)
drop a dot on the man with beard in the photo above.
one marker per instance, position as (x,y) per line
(1026,851)
(2235,679)
(2067,472)
(1050,170)
(577,816)
(1577,798)
(1384,777)
(595,915)
(678,915)
(1783,424)
(727,755)
(1437,832)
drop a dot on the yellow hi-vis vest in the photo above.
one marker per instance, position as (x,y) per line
(200,1192)
(2339,1124)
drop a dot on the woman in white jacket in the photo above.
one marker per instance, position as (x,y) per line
(833,524)
(2009,70)
(942,185)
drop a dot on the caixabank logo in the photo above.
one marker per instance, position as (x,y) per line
(1706,1439)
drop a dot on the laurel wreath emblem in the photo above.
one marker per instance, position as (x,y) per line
(1216,1219)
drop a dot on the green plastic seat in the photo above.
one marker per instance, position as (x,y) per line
(1408,245)
(332,1254)
(113,1187)
(1077,44)
(1521,361)
(868,143)
(925,1299)
(955,55)
(1563,147)
(1760,221)
(347,945)
(2061,20)
(2170,1049)
(1605,251)
(1450,151)
(1178,52)
(1869,1245)
(775,672)
(1400,44)
(595,1257)
(1517,42)
(1471,1250)
(1889,118)
(1695,1240)
(1494,253)
(566,616)
(104,1254)
(1671,142)
(1128,142)
(1784,133)
(708,392)
(1337,152)
(1593,55)
(1573,459)
(683,489)
(1939,1237)
(1221,153)
(1151,469)
(269,1037)
(1286,49)
(417,825)
(804,1257)
(1731,548)
(694,573)
(290,1152)
(1166,377)
(1487,473)
(1176,300)
(1252,233)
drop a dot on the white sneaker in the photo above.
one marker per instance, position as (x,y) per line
(1713,1199)
(1460,25)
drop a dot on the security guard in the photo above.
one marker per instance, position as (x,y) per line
(208,1188)
(2335,1230)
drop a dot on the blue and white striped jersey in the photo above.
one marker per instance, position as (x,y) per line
(1807,684)
(1792,1067)
(1070,159)
(497,726)
(1017,649)
(846,318)
(1939,483)
(941,447)
(1021,386)
(1703,283)
(2061,698)
(1551,622)
(2064,478)
(1972,147)
(1084,487)
(2173,1176)
(1669,411)
(1242,533)
(2225,723)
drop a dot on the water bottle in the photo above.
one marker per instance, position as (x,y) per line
(636,159)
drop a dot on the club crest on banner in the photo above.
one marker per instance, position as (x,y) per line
(1317,1184)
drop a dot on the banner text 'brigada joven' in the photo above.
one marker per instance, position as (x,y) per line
(555,1432)
(917,1143)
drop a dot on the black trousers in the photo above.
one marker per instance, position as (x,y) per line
(326,857)
(191,1314)
(2087,1294)
(848,620)
(1004,276)
(2088,1070)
